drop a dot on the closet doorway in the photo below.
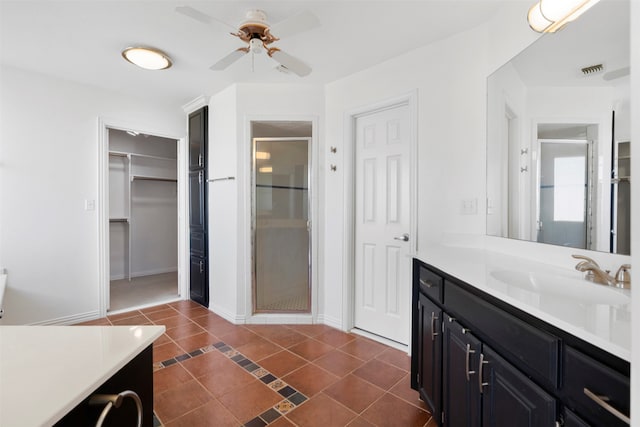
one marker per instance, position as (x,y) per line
(143,220)
(281,159)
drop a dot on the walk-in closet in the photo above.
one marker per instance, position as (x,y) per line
(143,220)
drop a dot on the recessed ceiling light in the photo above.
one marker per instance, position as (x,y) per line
(147,58)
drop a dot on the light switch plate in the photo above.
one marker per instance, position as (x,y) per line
(89,205)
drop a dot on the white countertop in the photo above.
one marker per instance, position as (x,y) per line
(45,371)
(600,315)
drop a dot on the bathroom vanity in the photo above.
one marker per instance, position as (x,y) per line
(48,373)
(501,341)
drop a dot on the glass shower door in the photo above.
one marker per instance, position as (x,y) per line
(281,239)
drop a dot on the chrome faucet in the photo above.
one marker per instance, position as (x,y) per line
(594,273)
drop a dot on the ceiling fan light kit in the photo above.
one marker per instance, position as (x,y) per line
(549,16)
(255,31)
(148,58)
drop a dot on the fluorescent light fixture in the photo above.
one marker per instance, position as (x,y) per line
(536,19)
(548,16)
(147,57)
(263,155)
(265,169)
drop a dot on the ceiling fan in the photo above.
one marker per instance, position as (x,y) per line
(256,32)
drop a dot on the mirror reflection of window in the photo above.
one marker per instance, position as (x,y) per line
(570,189)
(564,185)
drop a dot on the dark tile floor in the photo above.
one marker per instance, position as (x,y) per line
(209,372)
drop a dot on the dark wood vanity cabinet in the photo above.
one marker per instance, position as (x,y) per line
(429,370)
(477,361)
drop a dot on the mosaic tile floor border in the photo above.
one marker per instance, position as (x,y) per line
(292,398)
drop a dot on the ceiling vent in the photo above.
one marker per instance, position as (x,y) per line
(592,69)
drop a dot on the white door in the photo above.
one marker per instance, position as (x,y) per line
(382,224)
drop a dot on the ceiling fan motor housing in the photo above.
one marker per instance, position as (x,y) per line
(255,26)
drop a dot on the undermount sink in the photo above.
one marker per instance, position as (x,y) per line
(562,287)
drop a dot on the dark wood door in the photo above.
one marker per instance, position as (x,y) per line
(509,398)
(198,139)
(430,354)
(461,398)
(198,230)
(199,289)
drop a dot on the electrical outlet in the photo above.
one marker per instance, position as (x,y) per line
(469,207)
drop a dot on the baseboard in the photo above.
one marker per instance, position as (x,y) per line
(227,315)
(330,321)
(144,273)
(69,320)
(281,319)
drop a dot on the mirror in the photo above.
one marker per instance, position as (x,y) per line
(558,136)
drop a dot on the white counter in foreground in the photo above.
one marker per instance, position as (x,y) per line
(45,371)
(595,313)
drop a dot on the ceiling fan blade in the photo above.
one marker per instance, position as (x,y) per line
(202,17)
(230,59)
(290,62)
(616,74)
(303,21)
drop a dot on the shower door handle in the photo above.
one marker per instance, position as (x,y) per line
(403,238)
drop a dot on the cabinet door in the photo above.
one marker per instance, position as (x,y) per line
(461,396)
(198,138)
(430,354)
(196,200)
(572,420)
(198,289)
(509,398)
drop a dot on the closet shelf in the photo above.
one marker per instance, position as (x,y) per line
(151,178)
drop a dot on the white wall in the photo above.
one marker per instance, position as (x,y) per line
(450,77)
(231,112)
(223,203)
(49,166)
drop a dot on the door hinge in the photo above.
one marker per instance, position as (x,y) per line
(442,327)
(418,378)
(442,417)
(200,177)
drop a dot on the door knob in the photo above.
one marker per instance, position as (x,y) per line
(404,237)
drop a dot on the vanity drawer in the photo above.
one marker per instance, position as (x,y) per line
(533,351)
(583,375)
(431,284)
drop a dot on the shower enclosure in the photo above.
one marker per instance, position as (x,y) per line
(281,229)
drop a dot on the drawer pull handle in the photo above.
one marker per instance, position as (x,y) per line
(467,371)
(426,283)
(480,367)
(433,326)
(601,400)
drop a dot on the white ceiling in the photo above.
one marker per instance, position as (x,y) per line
(82,40)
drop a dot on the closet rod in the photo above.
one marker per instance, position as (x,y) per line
(148,156)
(151,178)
